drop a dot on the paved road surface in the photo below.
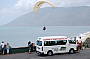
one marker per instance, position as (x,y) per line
(85,54)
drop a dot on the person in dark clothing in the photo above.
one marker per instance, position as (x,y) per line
(33,47)
(44,28)
(29,45)
(5,49)
(0,49)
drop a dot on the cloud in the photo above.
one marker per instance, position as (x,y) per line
(24,6)
(71,3)
(10,13)
(28,4)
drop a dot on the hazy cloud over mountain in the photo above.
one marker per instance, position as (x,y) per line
(61,16)
(11,9)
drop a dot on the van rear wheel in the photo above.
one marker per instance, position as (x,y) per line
(71,51)
(50,53)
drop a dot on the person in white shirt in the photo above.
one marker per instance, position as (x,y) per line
(29,45)
(2,46)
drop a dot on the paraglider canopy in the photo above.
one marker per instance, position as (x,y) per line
(40,3)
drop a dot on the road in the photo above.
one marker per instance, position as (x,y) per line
(84,54)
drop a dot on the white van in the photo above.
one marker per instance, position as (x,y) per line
(55,44)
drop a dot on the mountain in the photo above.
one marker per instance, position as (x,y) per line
(60,16)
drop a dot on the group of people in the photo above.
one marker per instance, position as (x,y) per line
(5,48)
(31,47)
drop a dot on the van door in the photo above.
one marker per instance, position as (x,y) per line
(62,46)
(72,44)
(39,46)
(50,45)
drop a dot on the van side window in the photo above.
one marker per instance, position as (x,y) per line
(72,41)
(49,43)
(58,42)
(61,42)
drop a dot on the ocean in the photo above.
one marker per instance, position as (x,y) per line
(20,35)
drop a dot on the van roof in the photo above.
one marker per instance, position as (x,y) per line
(49,37)
(54,37)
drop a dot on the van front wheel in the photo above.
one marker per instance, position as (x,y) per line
(71,51)
(50,53)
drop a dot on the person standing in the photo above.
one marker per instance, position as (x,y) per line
(5,49)
(2,47)
(78,46)
(8,48)
(29,45)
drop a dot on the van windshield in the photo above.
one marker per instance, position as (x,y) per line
(39,43)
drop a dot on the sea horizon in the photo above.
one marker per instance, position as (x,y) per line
(19,36)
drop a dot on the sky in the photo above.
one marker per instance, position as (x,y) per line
(11,9)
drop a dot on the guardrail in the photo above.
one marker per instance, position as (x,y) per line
(21,50)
